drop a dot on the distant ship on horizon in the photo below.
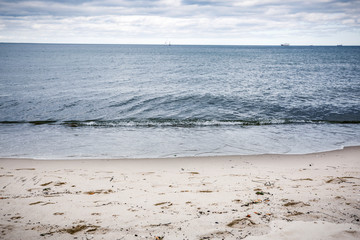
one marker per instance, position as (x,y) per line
(285,44)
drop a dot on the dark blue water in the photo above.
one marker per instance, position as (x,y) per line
(78,101)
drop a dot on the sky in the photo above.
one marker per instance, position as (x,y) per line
(224,22)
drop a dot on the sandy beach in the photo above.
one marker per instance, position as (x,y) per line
(312,196)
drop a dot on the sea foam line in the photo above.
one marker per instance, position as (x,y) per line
(175,122)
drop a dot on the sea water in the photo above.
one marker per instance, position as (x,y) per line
(127,101)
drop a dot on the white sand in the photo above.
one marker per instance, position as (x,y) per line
(315,196)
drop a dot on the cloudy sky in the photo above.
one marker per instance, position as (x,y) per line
(267,22)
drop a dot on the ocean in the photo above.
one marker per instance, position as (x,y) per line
(68,101)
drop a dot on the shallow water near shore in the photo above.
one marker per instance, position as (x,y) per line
(116,101)
(49,142)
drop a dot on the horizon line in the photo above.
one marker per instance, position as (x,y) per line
(162,44)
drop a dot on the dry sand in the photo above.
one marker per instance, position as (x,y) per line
(314,196)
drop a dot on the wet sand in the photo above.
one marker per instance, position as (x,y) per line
(312,196)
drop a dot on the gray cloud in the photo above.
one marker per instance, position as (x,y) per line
(187,21)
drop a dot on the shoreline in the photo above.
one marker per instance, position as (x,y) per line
(269,196)
(176,157)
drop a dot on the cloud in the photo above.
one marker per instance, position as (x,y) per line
(212,21)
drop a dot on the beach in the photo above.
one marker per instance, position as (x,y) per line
(309,196)
(187,120)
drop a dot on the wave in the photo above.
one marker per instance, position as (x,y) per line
(180,123)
